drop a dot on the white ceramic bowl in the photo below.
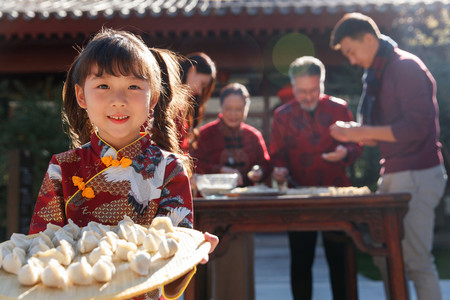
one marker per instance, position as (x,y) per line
(215,184)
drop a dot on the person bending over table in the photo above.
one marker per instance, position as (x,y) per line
(398,111)
(301,147)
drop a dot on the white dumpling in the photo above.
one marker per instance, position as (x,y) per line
(99,228)
(140,227)
(140,234)
(111,237)
(168,247)
(88,241)
(80,273)
(62,234)
(51,254)
(131,233)
(42,237)
(162,223)
(67,251)
(40,246)
(126,220)
(20,240)
(103,270)
(54,275)
(5,249)
(51,229)
(104,248)
(123,247)
(30,274)
(140,262)
(73,228)
(127,232)
(14,260)
(152,240)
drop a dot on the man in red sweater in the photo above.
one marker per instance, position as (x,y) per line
(301,147)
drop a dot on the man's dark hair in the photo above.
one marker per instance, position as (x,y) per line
(354,26)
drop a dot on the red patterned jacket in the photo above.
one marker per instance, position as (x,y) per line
(97,183)
(299,139)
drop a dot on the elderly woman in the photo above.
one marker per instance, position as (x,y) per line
(228,145)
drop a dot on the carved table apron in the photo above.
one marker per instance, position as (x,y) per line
(373,221)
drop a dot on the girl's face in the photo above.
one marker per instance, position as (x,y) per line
(233,110)
(196,81)
(117,105)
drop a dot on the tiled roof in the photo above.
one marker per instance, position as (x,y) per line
(64,9)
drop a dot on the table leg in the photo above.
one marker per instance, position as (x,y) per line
(396,268)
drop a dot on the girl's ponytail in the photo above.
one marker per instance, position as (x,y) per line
(78,126)
(172,104)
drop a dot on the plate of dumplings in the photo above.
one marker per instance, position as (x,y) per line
(98,261)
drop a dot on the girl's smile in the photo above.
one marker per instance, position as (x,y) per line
(118,106)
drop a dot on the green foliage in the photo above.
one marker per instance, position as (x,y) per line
(31,123)
(426,33)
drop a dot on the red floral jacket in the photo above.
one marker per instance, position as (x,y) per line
(99,183)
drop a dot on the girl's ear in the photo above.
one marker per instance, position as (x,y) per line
(153,102)
(79,93)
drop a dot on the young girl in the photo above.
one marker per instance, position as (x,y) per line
(115,87)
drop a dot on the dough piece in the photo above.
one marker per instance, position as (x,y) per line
(88,241)
(54,275)
(51,229)
(62,234)
(14,260)
(123,247)
(128,232)
(42,237)
(67,251)
(111,237)
(80,273)
(103,249)
(97,227)
(168,247)
(20,240)
(5,249)
(152,240)
(103,270)
(30,274)
(73,228)
(162,223)
(40,246)
(51,254)
(140,262)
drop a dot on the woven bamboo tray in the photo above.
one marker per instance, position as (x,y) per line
(125,283)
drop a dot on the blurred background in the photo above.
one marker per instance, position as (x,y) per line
(251,42)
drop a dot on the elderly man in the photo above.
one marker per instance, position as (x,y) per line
(302,148)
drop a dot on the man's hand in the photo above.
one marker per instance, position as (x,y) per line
(339,154)
(279,174)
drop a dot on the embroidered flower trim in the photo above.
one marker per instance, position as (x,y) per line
(109,161)
(87,191)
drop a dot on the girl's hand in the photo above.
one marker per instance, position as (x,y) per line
(214,241)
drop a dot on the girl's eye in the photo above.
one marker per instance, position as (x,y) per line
(103,86)
(134,87)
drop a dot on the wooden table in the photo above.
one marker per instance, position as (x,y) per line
(374,222)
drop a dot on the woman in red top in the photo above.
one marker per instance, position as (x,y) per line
(228,145)
(198,73)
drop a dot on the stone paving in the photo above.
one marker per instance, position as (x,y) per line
(272,273)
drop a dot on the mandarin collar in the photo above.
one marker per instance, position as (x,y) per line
(132,150)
